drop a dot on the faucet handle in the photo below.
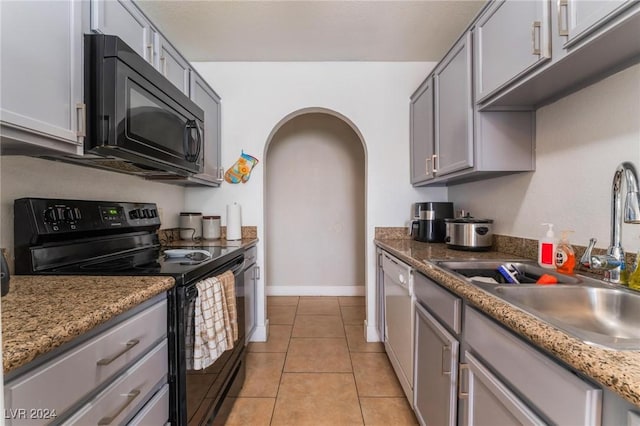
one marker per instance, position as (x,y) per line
(585,260)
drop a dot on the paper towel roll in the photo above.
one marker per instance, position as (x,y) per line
(234,222)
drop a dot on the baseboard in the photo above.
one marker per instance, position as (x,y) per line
(261,333)
(371,333)
(309,290)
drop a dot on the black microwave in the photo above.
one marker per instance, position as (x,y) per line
(138,122)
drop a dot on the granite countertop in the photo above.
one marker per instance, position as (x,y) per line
(41,313)
(617,370)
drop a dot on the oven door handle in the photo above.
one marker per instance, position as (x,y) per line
(238,268)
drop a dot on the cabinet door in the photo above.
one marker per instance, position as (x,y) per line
(490,402)
(209,101)
(172,65)
(41,76)
(510,39)
(250,279)
(422,133)
(454,110)
(123,19)
(577,17)
(436,367)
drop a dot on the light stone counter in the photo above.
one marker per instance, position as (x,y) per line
(618,371)
(41,313)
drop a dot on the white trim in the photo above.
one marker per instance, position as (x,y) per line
(261,333)
(371,332)
(315,290)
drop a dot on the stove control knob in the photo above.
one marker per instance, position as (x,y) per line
(134,214)
(154,213)
(147,213)
(69,214)
(51,215)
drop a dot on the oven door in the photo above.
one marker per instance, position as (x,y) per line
(201,393)
(136,114)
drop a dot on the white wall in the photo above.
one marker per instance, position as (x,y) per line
(373,96)
(580,140)
(314,215)
(34,177)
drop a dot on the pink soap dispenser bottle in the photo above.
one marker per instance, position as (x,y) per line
(547,248)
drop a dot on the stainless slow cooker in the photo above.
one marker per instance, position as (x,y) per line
(468,233)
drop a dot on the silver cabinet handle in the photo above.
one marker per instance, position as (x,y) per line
(446,357)
(434,158)
(257,272)
(563,30)
(463,386)
(130,397)
(163,65)
(81,111)
(426,165)
(130,344)
(535,38)
(150,52)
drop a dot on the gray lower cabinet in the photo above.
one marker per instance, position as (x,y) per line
(436,380)
(122,18)
(454,110)
(510,39)
(41,79)
(553,393)
(106,377)
(422,133)
(251,277)
(490,402)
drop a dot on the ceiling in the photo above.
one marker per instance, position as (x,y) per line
(311,30)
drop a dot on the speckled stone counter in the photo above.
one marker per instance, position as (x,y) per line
(618,371)
(41,313)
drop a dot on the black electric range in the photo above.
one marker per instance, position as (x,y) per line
(77,237)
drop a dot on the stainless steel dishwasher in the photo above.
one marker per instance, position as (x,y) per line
(399,319)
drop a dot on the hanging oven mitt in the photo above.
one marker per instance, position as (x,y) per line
(241,169)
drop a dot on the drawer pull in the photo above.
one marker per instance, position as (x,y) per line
(446,360)
(128,347)
(130,397)
(463,384)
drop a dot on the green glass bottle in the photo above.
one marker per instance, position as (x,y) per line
(634,277)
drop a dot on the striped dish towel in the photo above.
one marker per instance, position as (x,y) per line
(210,336)
(231,326)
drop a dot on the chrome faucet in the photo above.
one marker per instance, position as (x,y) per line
(613,262)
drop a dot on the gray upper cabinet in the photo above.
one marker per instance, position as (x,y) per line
(422,153)
(123,19)
(510,39)
(41,78)
(578,17)
(454,110)
(171,64)
(209,101)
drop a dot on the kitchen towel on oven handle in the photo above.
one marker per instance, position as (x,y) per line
(215,320)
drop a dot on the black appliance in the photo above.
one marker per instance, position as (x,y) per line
(137,122)
(64,237)
(428,223)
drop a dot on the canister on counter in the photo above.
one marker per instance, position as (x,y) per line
(190,225)
(211,227)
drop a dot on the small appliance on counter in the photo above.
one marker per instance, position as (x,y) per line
(469,233)
(428,224)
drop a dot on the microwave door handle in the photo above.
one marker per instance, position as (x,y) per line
(200,141)
(188,154)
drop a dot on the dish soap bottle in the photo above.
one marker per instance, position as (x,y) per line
(634,277)
(565,258)
(547,248)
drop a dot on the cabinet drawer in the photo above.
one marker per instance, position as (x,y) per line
(562,396)
(63,381)
(396,269)
(439,301)
(127,392)
(156,411)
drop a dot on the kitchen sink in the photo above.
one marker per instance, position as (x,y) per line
(480,270)
(588,309)
(602,316)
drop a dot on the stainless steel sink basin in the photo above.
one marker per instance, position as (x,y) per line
(585,308)
(488,268)
(603,316)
